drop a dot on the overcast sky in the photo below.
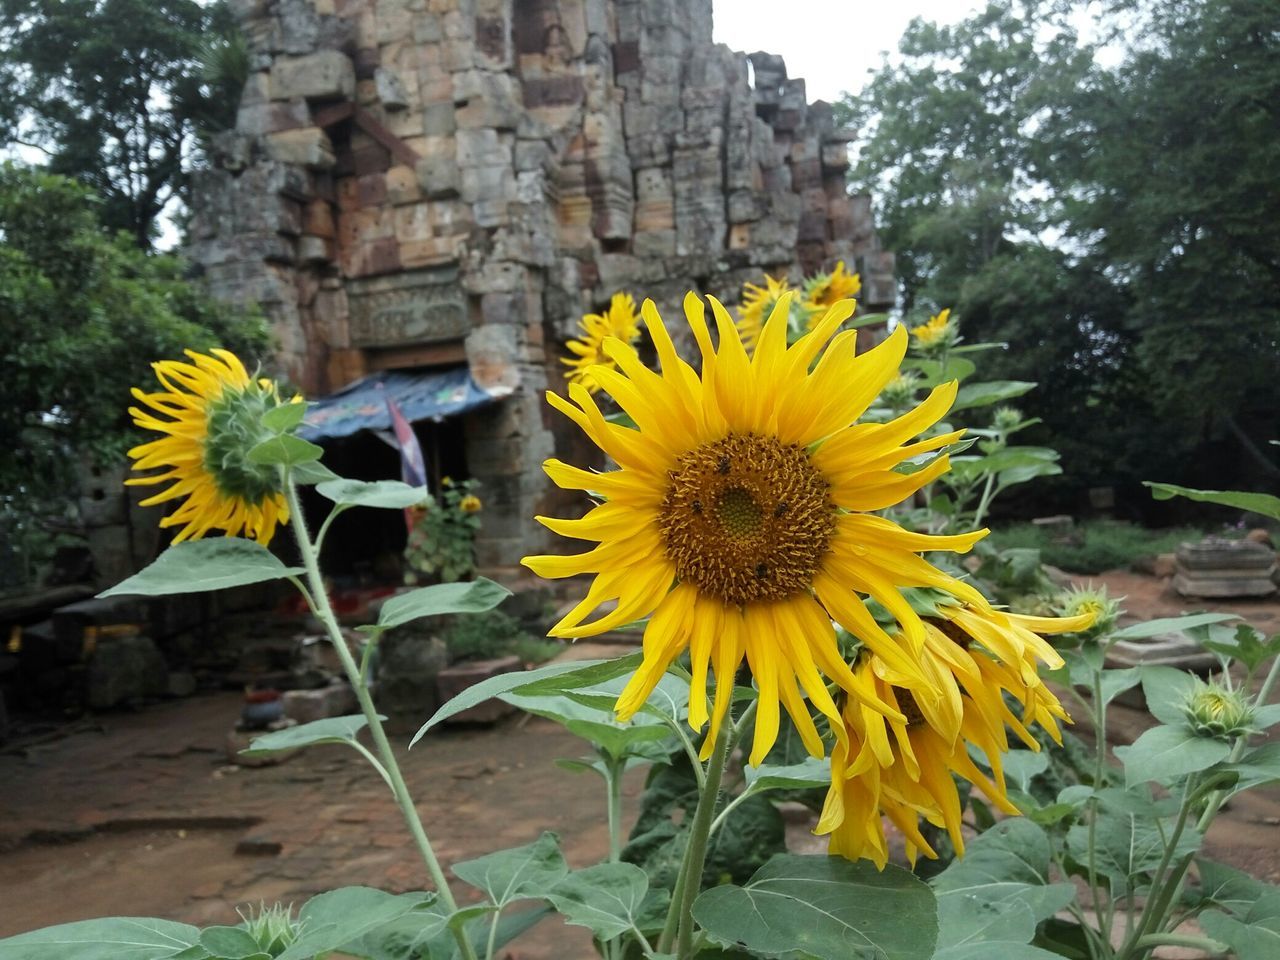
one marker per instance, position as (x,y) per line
(830,43)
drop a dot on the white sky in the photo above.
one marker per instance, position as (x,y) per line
(830,43)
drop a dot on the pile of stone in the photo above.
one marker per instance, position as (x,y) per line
(1216,567)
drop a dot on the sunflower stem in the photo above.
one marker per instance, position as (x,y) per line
(324,611)
(695,854)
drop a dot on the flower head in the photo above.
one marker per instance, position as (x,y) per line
(824,289)
(740,520)
(211,414)
(619,321)
(939,332)
(470,504)
(758,305)
(900,392)
(1214,710)
(903,769)
(1093,602)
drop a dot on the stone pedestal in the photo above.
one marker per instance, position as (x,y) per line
(1225,568)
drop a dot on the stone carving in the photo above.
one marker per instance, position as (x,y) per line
(407,308)
(543,154)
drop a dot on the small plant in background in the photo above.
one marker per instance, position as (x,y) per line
(486,636)
(442,541)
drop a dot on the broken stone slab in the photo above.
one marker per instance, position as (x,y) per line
(306,706)
(1227,583)
(1163,649)
(307,147)
(1216,567)
(457,678)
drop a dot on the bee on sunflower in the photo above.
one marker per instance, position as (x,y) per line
(619,320)
(210,412)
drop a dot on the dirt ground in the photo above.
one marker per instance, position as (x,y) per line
(141,813)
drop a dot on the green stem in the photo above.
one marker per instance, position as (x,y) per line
(324,610)
(614,784)
(984,502)
(696,853)
(1183,940)
(1164,884)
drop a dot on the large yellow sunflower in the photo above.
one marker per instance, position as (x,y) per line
(620,321)
(823,289)
(758,304)
(210,412)
(903,769)
(739,518)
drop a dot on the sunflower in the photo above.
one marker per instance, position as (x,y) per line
(619,321)
(933,334)
(470,504)
(210,412)
(903,769)
(823,289)
(739,518)
(758,304)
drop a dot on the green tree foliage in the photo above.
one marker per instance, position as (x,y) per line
(1115,225)
(82,315)
(119,94)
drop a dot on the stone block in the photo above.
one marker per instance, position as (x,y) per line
(438,177)
(306,706)
(325,74)
(307,147)
(439,119)
(390,89)
(122,669)
(402,185)
(407,674)
(455,679)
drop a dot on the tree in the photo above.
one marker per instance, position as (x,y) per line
(118,93)
(82,316)
(1115,225)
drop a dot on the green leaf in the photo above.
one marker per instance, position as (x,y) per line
(329,730)
(807,774)
(1259,766)
(1169,752)
(1167,690)
(520,873)
(1002,950)
(111,938)
(1008,862)
(1023,474)
(823,907)
(1151,628)
(607,898)
(1246,645)
(1263,503)
(1229,887)
(312,472)
(194,566)
(1259,940)
(1128,845)
(985,394)
(333,919)
(231,943)
(1116,682)
(551,679)
(1021,766)
(285,417)
(475,596)
(965,918)
(958,368)
(284,450)
(387,494)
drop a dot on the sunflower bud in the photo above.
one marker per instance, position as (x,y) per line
(272,928)
(1006,419)
(900,392)
(1216,711)
(1081,601)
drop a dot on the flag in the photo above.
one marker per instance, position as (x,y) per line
(413,470)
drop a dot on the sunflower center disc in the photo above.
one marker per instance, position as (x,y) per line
(747,518)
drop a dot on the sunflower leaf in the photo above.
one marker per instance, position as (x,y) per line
(337,917)
(607,898)
(110,938)
(284,450)
(195,566)
(387,494)
(471,596)
(1169,752)
(521,873)
(328,730)
(1263,503)
(823,907)
(285,417)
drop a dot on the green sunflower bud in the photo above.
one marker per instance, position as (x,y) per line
(1006,419)
(1216,711)
(1090,600)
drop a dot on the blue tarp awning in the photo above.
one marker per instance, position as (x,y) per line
(420,395)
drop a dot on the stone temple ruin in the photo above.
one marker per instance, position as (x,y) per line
(435,183)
